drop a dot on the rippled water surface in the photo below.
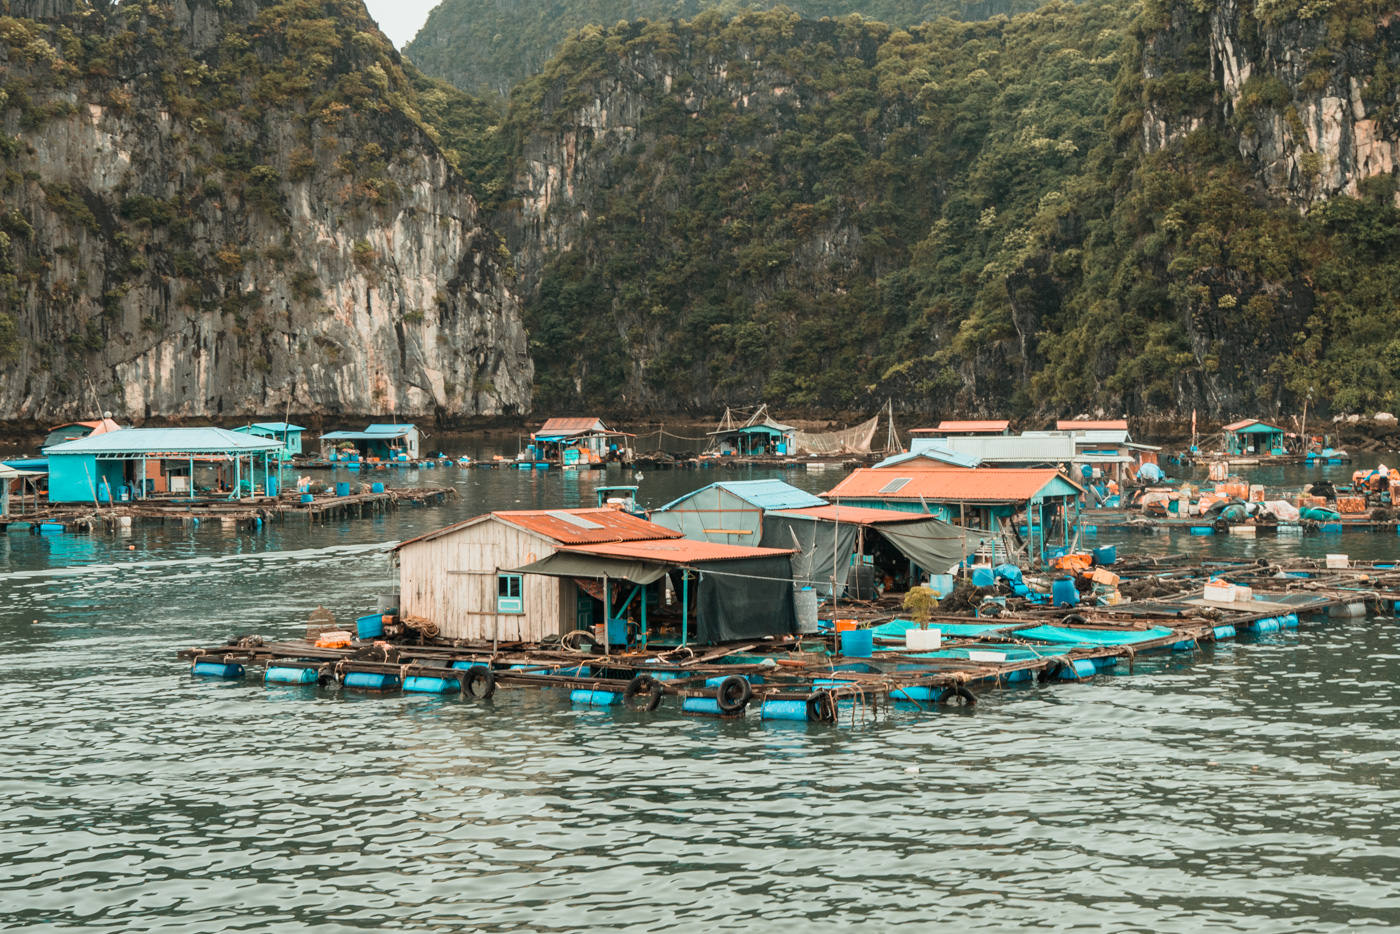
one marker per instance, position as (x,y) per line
(1254,786)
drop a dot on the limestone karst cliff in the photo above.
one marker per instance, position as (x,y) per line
(214,208)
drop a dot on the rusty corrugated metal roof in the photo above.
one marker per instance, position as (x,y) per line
(678,551)
(983,485)
(983,425)
(1089,424)
(571,426)
(853,515)
(566,526)
(1248,422)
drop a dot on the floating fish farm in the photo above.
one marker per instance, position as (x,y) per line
(863,671)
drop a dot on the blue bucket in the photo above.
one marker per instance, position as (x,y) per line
(370,627)
(1063,592)
(342,488)
(376,488)
(858,643)
(1106,555)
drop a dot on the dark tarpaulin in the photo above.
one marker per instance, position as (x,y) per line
(744,599)
(572,564)
(813,564)
(934,545)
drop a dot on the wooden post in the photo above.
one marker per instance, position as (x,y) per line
(685,606)
(607,617)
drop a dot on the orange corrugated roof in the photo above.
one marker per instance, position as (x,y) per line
(568,425)
(941,484)
(614,526)
(853,515)
(678,551)
(984,425)
(1245,423)
(1089,424)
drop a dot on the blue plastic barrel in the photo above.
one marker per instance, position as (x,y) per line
(1331,526)
(376,488)
(858,643)
(717,680)
(591,698)
(371,681)
(1202,530)
(916,694)
(278,675)
(775,709)
(420,684)
(18,527)
(1106,555)
(1078,669)
(707,706)
(983,576)
(370,627)
(1185,645)
(1288,621)
(1269,624)
(206,669)
(50,528)
(1063,592)
(342,488)
(1224,632)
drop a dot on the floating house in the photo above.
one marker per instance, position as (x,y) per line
(140,463)
(839,547)
(1025,450)
(990,499)
(760,435)
(1253,437)
(532,575)
(930,452)
(1102,449)
(949,428)
(381,442)
(578,442)
(72,431)
(288,434)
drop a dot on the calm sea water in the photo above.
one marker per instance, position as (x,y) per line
(1253,787)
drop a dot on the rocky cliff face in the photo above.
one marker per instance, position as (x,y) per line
(222,208)
(1306,91)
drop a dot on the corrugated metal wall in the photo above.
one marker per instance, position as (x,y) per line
(715,515)
(452,582)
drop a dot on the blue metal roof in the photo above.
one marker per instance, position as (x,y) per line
(272,426)
(389,429)
(165,441)
(764,494)
(28,463)
(930,449)
(366,435)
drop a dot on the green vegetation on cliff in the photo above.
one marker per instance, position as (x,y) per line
(958,215)
(489,46)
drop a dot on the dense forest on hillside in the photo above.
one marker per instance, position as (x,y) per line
(961,215)
(489,46)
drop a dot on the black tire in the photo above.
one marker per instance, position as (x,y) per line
(991,610)
(479,682)
(1074,619)
(1049,673)
(644,688)
(733,694)
(576,639)
(820,708)
(955,693)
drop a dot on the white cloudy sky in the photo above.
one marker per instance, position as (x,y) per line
(400,19)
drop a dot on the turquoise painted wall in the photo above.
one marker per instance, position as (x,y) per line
(75,478)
